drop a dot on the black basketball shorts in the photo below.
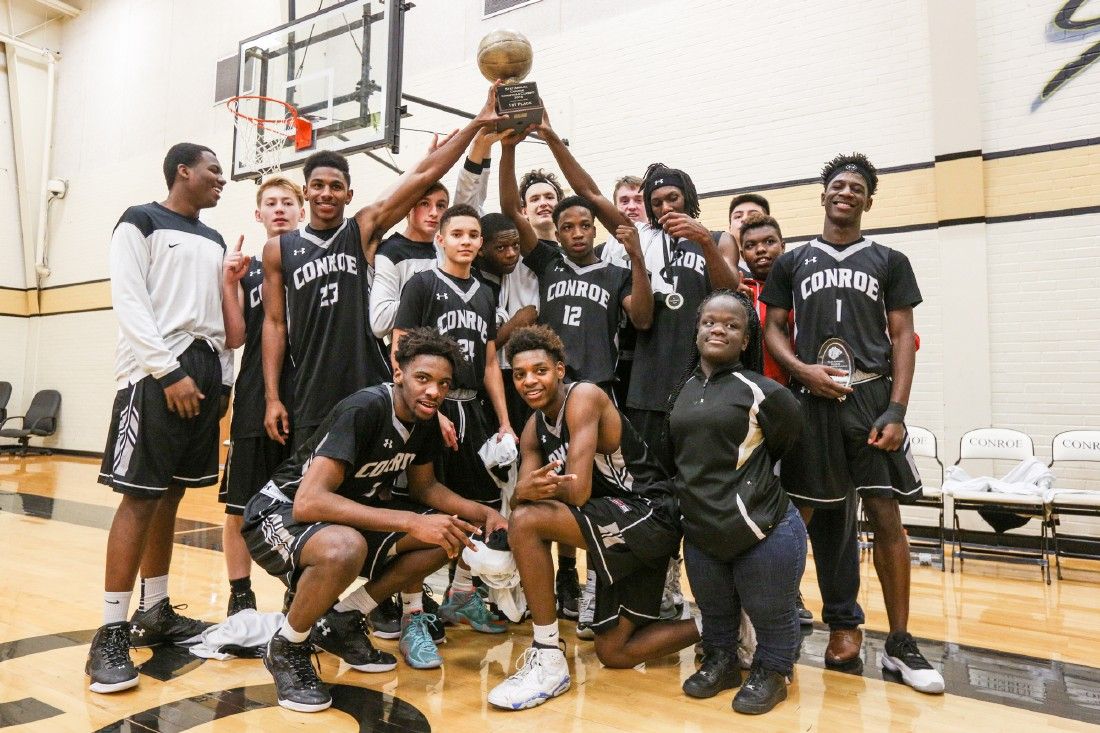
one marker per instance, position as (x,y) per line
(275,540)
(149,448)
(629,543)
(832,458)
(250,465)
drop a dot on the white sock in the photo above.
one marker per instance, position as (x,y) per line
(153,591)
(412,603)
(116,606)
(546,635)
(287,632)
(463,581)
(358,600)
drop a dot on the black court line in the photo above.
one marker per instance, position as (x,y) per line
(83,514)
(1059,689)
(27,710)
(376,712)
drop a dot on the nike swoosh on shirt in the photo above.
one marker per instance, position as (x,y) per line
(174,245)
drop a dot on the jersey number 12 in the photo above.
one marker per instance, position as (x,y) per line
(572,316)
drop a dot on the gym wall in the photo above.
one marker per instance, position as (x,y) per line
(941,95)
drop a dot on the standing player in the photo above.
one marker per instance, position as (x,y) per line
(597,488)
(401,256)
(581,297)
(316,285)
(253,456)
(166,286)
(540,192)
(327,516)
(450,299)
(684,264)
(842,286)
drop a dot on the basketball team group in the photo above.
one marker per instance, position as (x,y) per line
(488,392)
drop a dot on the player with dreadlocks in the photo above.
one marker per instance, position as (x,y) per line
(744,543)
(853,304)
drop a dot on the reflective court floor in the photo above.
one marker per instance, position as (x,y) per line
(1017,655)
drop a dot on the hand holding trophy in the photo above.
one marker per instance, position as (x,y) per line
(507,55)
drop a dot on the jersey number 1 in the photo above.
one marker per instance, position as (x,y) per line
(838,304)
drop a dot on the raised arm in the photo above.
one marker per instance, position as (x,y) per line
(472,186)
(582,183)
(234,268)
(510,204)
(384,213)
(639,304)
(273,342)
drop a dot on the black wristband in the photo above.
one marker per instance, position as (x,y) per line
(171,377)
(895,413)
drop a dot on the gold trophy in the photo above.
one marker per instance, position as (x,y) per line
(507,55)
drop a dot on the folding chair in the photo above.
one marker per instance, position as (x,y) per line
(923,444)
(1076,446)
(1002,444)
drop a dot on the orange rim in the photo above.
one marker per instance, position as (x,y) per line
(231,105)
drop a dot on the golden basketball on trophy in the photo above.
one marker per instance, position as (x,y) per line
(507,55)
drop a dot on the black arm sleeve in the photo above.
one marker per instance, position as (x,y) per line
(780,418)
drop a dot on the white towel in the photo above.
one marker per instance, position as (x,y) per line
(497,570)
(240,635)
(1030,477)
(502,455)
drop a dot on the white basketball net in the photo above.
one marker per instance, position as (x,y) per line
(262,141)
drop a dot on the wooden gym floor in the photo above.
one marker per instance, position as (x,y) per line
(1017,654)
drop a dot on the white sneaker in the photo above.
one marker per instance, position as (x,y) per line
(540,675)
(587,608)
(902,656)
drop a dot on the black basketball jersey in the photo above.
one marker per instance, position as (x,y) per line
(363,432)
(463,309)
(249,404)
(584,306)
(664,351)
(327,286)
(629,471)
(843,292)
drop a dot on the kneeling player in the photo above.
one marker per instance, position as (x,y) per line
(328,516)
(613,500)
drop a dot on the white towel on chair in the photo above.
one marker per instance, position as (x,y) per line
(1029,477)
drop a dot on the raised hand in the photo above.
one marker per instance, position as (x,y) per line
(235,265)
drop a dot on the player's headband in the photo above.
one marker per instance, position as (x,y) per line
(851,168)
(666,177)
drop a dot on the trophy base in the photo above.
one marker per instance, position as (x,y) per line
(520,106)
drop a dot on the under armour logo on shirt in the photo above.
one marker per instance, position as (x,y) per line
(301,251)
(387,443)
(808,260)
(254,273)
(323,627)
(543,439)
(440,296)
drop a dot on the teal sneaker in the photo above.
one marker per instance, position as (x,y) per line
(416,644)
(468,607)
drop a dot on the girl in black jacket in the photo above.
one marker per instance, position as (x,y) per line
(744,542)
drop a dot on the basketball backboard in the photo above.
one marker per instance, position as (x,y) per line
(340,67)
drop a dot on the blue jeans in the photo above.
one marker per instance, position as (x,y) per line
(764,581)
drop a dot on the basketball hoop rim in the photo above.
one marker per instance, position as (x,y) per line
(286,122)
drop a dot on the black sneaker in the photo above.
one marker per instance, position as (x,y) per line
(346,634)
(568,589)
(762,691)
(162,625)
(805,615)
(109,664)
(241,601)
(903,657)
(718,672)
(385,619)
(296,682)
